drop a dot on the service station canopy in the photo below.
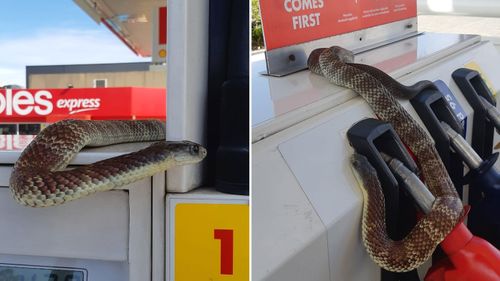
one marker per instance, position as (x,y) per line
(131,20)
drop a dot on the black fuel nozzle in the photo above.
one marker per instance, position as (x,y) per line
(492,113)
(369,137)
(482,172)
(484,189)
(434,106)
(373,138)
(474,89)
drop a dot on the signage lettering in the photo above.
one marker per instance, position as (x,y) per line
(290,22)
(304,20)
(79,105)
(50,105)
(298,5)
(23,103)
(43,98)
(226,250)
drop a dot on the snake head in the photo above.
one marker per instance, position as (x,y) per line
(187,152)
(342,54)
(334,53)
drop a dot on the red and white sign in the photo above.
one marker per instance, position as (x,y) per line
(160,35)
(289,22)
(49,105)
(14,142)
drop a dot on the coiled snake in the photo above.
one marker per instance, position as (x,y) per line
(378,89)
(40,178)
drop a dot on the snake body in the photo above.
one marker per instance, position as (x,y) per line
(40,177)
(378,90)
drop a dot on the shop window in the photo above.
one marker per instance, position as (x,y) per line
(8,129)
(100,83)
(29,129)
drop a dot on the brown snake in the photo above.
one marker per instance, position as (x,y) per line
(378,89)
(40,177)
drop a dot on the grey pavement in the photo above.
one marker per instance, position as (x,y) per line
(488,28)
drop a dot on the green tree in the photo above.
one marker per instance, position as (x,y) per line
(257,36)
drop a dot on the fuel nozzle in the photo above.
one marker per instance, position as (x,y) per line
(422,196)
(492,113)
(462,147)
(474,88)
(484,188)
(469,257)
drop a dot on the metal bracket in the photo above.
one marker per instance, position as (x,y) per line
(290,59)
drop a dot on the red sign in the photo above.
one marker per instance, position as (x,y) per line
(162,28)
(50,105)
(289,22)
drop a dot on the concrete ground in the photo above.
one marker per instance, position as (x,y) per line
(488,28)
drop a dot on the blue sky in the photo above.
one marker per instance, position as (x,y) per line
(37,32)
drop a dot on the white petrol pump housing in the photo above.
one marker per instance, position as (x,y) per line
(104,237)
(306,203)
(126,234)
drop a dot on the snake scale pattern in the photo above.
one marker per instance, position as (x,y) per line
(378,89)
(40,177)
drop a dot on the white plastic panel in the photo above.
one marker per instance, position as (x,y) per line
(319,160)
(158,227)
(288,238)
(186,83)
(106,226)
(111,231)
(94,227)
(139,229)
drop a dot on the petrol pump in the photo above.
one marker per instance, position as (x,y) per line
(187,224)
(306,202)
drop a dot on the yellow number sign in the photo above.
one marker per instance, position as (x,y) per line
(211,242)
